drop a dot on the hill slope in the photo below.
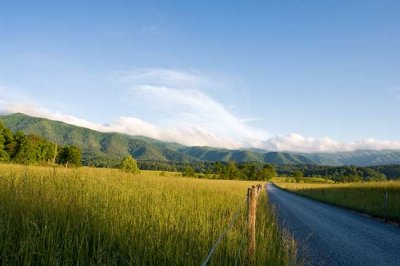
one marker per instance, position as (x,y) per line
(102,148)
(359,158)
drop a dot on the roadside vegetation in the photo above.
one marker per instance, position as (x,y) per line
(379,199)
(91,216)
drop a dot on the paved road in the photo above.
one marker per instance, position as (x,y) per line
(328,235)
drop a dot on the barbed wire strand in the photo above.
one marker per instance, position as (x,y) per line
(241,245)
(244,234)
(222,236)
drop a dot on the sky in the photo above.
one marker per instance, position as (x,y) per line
(305,76)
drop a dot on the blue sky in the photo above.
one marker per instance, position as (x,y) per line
(280,75)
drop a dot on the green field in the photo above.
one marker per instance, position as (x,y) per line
(379,199)
(90,216)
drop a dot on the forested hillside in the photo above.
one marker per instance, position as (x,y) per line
(107,149)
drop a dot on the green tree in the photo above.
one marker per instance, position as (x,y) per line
(249,171)
(267,172)
(70,155)
(232,172)
(129,164)
(298,176)
(25,149)
(188,171)
(6,138)
(219,169)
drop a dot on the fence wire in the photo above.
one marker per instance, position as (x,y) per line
(222,236)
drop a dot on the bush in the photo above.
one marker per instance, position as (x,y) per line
(129,164)
(188,171)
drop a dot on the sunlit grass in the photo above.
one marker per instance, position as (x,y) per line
(91,216)
(367,197)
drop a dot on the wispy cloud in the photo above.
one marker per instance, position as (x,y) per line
(179,111)
(165,77)
(179,100)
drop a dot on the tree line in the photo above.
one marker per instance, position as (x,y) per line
(349,173)
(31,149)
(233,171)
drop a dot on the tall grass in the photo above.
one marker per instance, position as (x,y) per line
(91,216)
(380,199)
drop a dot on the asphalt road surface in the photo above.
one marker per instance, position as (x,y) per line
(328,235)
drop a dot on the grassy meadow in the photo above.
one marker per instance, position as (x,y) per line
(379,199)
(91,216)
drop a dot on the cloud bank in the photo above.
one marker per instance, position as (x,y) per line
(181,111)
(298,143)
(197,136)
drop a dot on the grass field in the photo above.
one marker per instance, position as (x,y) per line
(379,199)
(90,216)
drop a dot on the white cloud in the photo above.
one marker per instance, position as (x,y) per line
(185,135)
(192,108)
(298,143)
(373,144)
(175,108)
(198,136)
(127,125)
(178,109)
(175,98)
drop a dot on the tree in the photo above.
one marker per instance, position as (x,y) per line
(249,171)
(232,172)
(218,169)
(267,172)
(70,155)
(350,178)
(188,171)
(25,149)
(129,164)
(298,176)
(4,156)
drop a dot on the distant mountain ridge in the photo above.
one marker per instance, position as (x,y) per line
(100,146)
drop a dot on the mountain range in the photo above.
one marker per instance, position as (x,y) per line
(106,146)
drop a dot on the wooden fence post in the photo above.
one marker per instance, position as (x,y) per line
(251,225)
